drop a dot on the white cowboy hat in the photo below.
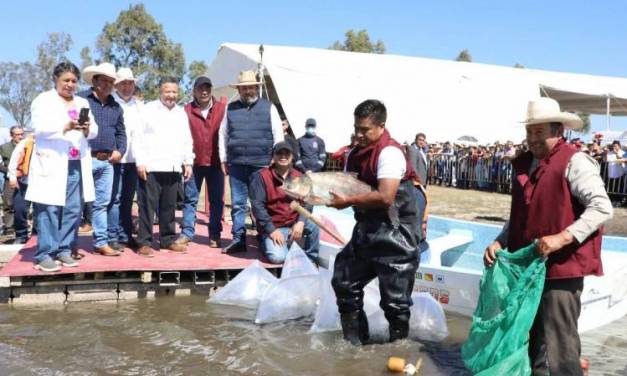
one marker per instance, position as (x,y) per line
(105,69)
(247,78)
(547,110)
(124,74)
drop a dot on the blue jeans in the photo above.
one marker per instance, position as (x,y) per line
(239,179)
(103,183)
(276,254)
(58,225)
(214,178)
(119,216)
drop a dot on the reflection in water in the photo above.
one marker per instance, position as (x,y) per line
(187,336)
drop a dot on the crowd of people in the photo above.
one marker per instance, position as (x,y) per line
(488,167)
(92,154)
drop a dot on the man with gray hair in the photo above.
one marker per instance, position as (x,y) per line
(125,173)
(248,132)
(17,134)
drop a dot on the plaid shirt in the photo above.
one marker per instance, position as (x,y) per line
(110,119)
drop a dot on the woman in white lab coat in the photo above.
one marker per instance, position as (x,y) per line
(60,171)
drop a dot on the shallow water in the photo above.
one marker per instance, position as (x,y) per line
(187,336)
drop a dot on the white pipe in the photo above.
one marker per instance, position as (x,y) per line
(607,113)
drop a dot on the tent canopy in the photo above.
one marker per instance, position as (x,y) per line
(443,99)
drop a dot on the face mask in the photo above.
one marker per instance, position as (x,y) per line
(310,131)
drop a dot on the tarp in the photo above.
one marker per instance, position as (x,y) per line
(444,99)
(511,290)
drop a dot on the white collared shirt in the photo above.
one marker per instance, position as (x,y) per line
(132,123)
(164,142)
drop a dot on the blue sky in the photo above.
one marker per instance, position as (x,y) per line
(572,36)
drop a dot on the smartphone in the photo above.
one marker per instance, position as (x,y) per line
(83,117)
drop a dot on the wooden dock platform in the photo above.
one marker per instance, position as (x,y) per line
(128,276)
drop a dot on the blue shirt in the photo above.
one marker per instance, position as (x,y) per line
(110,119)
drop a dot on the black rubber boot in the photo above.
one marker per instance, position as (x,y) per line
(355,328)
(398,330)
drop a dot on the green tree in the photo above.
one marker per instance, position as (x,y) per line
(359,42)
(18,87)
(21,82)
(50,53)
(86,59)
(136,40)
(517,65)
(464,55)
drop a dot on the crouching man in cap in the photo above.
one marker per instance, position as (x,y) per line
(277,224)
(385,239)
(558,197)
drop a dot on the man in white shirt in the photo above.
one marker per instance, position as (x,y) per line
(387,232)
(125,178)
(248,132)
(163,148)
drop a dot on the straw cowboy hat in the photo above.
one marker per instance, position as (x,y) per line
(247,78)
(105,69)
(124,74)
(547,110)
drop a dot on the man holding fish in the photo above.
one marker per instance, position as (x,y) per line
(385,239)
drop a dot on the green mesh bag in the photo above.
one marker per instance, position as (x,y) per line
(510,293)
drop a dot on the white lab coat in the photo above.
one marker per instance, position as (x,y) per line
(49,162)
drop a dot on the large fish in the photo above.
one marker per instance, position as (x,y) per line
(313,188)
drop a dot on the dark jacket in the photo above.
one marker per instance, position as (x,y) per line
(5,152)
(249,129)
(110,119)
(419,163)
(312,154)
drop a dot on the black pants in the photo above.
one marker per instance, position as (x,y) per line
(21,213)
(554,346)
(160,189)
(354,270)
(8,210)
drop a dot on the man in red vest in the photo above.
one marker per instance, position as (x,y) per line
(277,223)
(387,232)
(205,114)
(558,197)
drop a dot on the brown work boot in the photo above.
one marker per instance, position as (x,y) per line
(182,240)
(85,229)
(145,251)
(177,248)
(105,250)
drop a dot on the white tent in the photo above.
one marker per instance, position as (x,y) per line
(444,99)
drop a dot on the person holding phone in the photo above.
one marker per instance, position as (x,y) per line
(60,169)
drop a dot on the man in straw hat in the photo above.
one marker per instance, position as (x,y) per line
(107,148)
(125,172)
(251,127)
(558,197)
